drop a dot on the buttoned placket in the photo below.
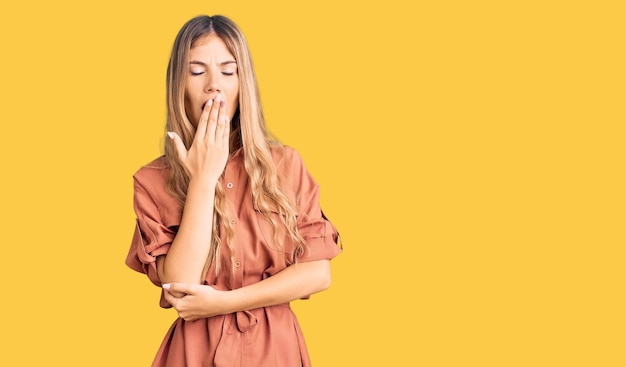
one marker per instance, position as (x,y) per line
(232,190)
(235,179)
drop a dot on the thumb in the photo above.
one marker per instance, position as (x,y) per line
(181,151)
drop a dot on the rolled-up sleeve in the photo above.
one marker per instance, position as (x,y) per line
(320,235)
(151,237)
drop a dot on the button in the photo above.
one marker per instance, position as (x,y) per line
(232,221)
(237,264)
(229,185)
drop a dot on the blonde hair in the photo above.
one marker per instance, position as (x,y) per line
(248,131)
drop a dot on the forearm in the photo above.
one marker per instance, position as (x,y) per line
(297,281)
(189,251)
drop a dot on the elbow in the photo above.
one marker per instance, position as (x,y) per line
(323,275)
(325,284)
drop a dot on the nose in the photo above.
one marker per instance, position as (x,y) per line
(212,82)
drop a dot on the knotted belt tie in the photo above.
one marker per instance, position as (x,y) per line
(245,320)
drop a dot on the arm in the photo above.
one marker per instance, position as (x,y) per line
(204,162)
(294,282)
(187,256)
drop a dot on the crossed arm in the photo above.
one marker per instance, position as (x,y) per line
(194,301)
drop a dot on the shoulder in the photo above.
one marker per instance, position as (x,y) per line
(150,190)
(155,167)
(286,158)
(153,174)
(291,170)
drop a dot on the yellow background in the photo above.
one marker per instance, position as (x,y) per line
(471,154)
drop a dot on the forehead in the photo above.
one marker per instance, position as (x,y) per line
(209,47)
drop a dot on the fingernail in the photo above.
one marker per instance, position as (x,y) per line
(210,102)
(218,98)
(170,134)
(222,103)
(166,286)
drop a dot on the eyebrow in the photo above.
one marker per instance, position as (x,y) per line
(223,63)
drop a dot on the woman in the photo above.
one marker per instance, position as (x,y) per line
(228,221)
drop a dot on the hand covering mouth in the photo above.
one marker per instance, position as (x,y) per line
(207,101)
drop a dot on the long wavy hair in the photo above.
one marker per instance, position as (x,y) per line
(248,131)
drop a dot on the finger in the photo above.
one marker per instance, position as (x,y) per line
(179,288)
(212,123)
(170,298)
(226,133)
(177,294)
(204,116)
(222,123)
(181,151)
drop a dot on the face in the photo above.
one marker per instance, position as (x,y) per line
(212,70)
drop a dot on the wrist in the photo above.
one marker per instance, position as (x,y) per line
(227,302)
(202,184)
